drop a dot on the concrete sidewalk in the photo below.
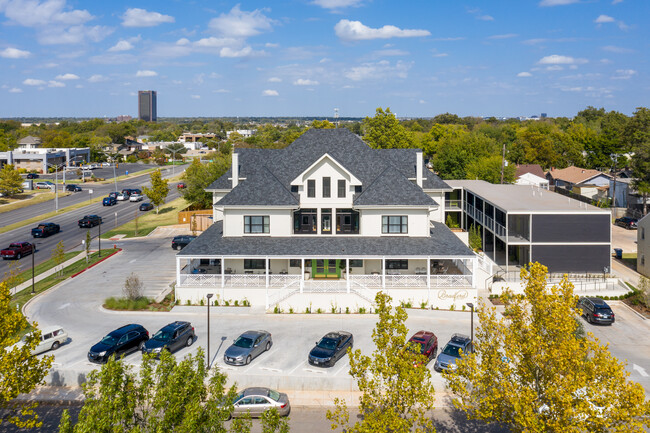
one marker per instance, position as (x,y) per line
(47,273)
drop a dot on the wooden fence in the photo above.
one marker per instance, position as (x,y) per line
(197,219)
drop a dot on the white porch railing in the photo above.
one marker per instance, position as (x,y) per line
(200,280)
(438,281)
(283,280)
(237,280)
(406,281)
(325,286)
(485,263)
(366,280)
(284,293)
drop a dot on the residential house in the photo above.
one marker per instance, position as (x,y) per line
(328,221)
(574,178)
(531,174)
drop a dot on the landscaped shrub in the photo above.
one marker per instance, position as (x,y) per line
(127,304)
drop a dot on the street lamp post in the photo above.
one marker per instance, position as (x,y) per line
(471,305)
(33,254)
(209,296)
(99,238)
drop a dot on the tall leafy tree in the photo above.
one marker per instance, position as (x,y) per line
(488,168)
(383,131)
(198,176)
(20,372)
(534,370)
(158,191)
(10,181)
(395,384)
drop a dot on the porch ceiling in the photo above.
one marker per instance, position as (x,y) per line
(441,242)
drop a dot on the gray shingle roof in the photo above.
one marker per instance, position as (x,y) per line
(262,188)
(391,189)
(441,243)
(345,147)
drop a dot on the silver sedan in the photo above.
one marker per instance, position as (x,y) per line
(255,401)
(247,347)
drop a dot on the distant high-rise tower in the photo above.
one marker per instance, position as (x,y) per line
(147,105)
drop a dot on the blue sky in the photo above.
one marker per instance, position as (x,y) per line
(306,57)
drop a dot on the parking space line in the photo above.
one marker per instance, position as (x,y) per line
(311,370)
(295,368)
(345,365)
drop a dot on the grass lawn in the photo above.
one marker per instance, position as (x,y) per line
(20,298)
(168,215)
(27,199)
(630,260)
(23,268)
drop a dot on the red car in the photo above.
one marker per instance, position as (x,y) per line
(17,250)
(428,343)
(181,185)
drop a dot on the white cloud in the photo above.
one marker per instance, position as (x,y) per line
(615,2)
(356,31)
(440,54)
(379,70)
(73,35)
(305,82)
(274,80)
(524,74)
(557,2)
(485,18)
(33,82)
(14,53)
(604,19)
(15,90)
(422,101)
(271,45)
(337,4)
(53,83)
(121,46)
(183,41)
(195,96)
(146,73)
(213,42)
(504,36)
(390,53)
(624,74)
(97,78)
(449,39)
(135,17)
(561,60)
(615,49)
(67,77)
(241,24)
(555,68)
(222,91)
(269,92)
(230,52)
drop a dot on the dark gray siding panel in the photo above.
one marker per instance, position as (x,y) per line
(572,258)
(571,228)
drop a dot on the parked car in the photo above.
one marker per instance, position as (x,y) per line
(17,250)
(595,310)
(627,222)
(106,164)
(452,352)
(90,221)
(247,347)
(52,338)
(109,201)
(45,229)
(122,197)
(32,176)
(330,348)
(113,194)
(146,206)
(426,344)
(181,185)
(255,401)
(136,197)
(72,187)
(44,185)
(171,337)
(122,341)
(180,242)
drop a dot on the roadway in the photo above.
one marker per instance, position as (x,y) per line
(71,234)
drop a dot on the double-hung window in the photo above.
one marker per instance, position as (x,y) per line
(256,224)
(394,224)
(327,187)
(311,188)
(341,188)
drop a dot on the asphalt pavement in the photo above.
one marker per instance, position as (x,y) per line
(71,234)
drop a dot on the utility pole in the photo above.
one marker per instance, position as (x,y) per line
(615,157)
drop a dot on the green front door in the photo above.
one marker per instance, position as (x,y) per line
(326,268)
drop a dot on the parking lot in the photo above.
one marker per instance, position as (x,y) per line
(76,305)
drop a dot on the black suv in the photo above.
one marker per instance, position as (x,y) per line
(171,337)
(72,187)
(595,310)
(124,340)
(626,222)
(90,221)
(180,242)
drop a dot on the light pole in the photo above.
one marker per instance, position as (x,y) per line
(209,296)
(471,305)
(33,253)
(56,187)
(99,238)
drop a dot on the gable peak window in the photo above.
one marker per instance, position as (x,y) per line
(327,187)
(341,188)
(311,188)
(256,224)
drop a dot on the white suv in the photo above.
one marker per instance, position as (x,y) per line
(136,197)
(52,337)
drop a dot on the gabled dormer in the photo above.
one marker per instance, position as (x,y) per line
(326,182)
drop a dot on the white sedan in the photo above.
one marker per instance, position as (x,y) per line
(122,197)
(136,197)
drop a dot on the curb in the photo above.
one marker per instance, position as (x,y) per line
(641,316)
(96,263)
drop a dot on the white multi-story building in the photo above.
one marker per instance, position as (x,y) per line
(328,221)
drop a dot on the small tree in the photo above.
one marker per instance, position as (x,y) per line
(20,372)
(132,287)
(58,256)
(450,222)
(88,240)
(11,276)
(475,240)
(158,191)
(10,181)
(533,370)
(395,383)
(644,288)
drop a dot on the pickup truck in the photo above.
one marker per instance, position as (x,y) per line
(16,250)
(90,221)
(45,229)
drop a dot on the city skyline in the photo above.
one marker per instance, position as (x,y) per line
(304,58)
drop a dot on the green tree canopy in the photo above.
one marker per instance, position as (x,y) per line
(198,176)
(158,191)
(10,181)
(383,131)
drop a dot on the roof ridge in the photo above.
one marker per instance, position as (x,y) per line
(280,182)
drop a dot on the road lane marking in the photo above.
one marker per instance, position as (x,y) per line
(133,261)
(640,369)
(311,370)
(276,370)
(295,368)
(67,304)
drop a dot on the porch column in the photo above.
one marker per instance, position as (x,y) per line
(428,280)
(302,274)
(383,272)
(266,261)
(223,276)
(474,268)
(347,273)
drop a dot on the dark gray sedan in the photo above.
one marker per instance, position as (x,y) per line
(247,347)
